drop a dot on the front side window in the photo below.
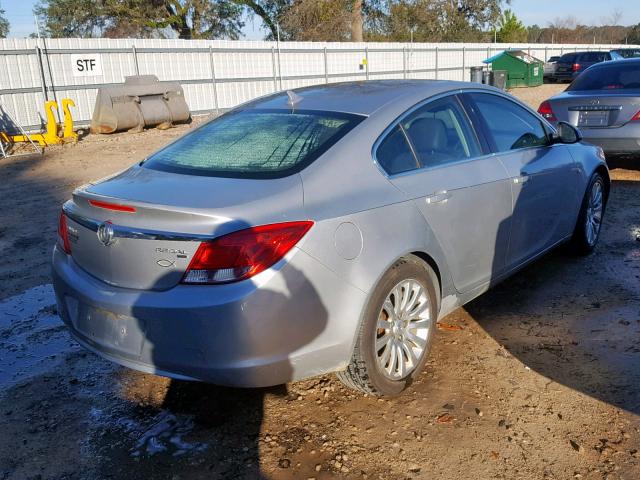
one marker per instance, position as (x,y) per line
(511,126)
(440,133)
(255,143)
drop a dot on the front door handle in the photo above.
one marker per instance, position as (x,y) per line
(521,179)
(439,197)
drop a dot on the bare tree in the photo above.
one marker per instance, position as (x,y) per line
(356,21)
(610,25)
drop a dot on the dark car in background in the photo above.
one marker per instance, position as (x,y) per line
(604,103)
(570,65)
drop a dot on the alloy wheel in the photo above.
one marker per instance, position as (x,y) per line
(403,329)
(593,218)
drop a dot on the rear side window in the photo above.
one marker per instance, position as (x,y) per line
(255,143)
(440,133)
(511,126)
(394,154)
(610,76)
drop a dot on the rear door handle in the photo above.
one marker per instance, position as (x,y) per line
(439,197)
(521,179)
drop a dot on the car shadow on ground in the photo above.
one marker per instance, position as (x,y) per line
(222,423)
(582,333)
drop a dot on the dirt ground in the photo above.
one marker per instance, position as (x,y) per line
(537,379)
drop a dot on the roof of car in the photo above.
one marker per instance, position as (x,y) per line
(621,61)
(362,97)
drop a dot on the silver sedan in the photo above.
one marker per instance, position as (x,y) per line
(604,102)
(321,230)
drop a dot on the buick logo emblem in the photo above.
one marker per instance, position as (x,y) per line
(105,234)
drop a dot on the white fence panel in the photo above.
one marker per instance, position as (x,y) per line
(218,75)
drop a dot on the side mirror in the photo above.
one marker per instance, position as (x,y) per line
(566,133)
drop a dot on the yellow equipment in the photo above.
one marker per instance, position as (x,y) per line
(50,136)
(67,133)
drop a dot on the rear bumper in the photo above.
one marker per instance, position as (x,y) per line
(564,75)
(296,320)
(614,141)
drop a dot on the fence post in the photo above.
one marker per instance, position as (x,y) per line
(273,69)
(42,77)
(404,63)
(213,80)
(436,62)
(463,62)
(326,66)
(279,67)
(366,61)
(135,60)
(546,54)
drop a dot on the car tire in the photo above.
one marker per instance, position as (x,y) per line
(587,230)
(392,337)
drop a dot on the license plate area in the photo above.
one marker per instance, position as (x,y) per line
(597,118)
(115,333)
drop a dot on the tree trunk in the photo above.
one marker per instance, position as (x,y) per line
(356,21)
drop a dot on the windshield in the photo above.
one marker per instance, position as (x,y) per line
(614,76)
(255,143)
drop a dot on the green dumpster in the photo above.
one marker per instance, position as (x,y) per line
(522,69)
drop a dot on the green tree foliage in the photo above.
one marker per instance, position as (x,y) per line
(4,25)
(510,29)
(339,20)
(141,18)
(269,11)
(438,20)
(331,20)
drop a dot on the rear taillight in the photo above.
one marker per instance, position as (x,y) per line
(63,234)
(546,111)
(575,67)
(636,117)
(243,254)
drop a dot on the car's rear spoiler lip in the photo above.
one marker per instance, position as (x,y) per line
(120,231)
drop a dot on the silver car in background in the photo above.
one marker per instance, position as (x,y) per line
(604,103)
(318,230)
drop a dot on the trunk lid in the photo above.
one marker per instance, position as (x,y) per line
(150,248)
(602,109)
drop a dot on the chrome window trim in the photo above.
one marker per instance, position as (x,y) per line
(120,231)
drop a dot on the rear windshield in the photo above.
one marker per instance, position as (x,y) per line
(593,56)
(255,143)
(614,76)
(568,58)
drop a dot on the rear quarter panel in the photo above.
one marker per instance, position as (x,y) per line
(346,186)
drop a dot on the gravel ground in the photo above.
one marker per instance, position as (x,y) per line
(538,378)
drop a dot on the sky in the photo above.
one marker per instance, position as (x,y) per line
(541,12)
